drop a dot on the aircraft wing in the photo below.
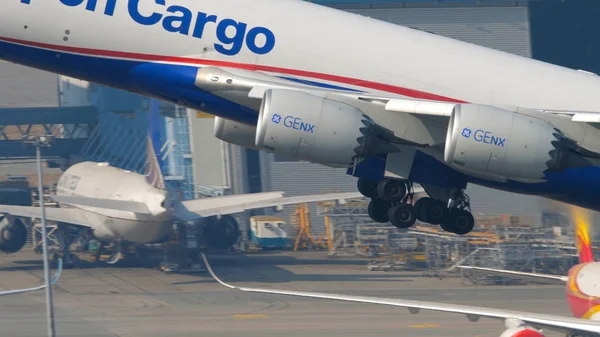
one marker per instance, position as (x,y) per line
(248,87)
(194,209)
(27,290)
(518,273)
(68,215)
(540,321)
(118,205)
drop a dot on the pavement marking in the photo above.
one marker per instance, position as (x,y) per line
(424,326)
(249,316)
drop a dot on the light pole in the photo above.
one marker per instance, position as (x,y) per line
(39,142)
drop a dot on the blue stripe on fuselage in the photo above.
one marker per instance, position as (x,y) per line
(172,83)
(318,84)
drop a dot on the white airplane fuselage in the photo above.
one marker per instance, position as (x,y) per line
(157,47)
(100,181)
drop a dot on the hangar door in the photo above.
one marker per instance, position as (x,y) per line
(502,27)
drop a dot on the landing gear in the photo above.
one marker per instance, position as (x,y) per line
(402,216)
(390,201)
(379,210)
(431,210)
(368,188)
(459,221)
(391,190)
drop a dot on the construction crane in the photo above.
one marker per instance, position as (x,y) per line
(304,238)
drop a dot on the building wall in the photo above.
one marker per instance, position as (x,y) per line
(216,163)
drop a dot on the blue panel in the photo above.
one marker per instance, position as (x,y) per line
(369,168)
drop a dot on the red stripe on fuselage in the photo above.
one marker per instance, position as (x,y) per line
(187,60)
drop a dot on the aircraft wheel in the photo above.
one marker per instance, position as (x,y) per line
(431,210)
(459,221)
(379,210)
(391,190)
(402,216)
(368,188)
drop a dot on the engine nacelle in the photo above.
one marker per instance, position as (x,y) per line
(235,133)
(219,233)
(499,143)
(302,126)
(13,234)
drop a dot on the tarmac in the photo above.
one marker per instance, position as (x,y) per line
(106,301)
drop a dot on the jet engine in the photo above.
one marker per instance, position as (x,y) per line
(302,126)
(494,142)
(220,233)
(235,133)
(13,234)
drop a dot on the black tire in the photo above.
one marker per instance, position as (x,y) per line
(379,210)
(436,211)
(402,216)
(391,190)
(447,226)
(367,187)
(459,221)
(419,213)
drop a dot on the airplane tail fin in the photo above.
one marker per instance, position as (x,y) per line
(584,246)
(582,235)
(153,170)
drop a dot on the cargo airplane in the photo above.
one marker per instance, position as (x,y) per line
(583,297)
(392,104)
(124,208)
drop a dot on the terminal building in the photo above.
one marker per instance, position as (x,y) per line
(102,124)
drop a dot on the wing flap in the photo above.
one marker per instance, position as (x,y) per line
(553,322)
(418,107)
(239,203)
(193,209)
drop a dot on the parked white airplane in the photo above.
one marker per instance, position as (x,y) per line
(126,207)
(517,323)
(392,104)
